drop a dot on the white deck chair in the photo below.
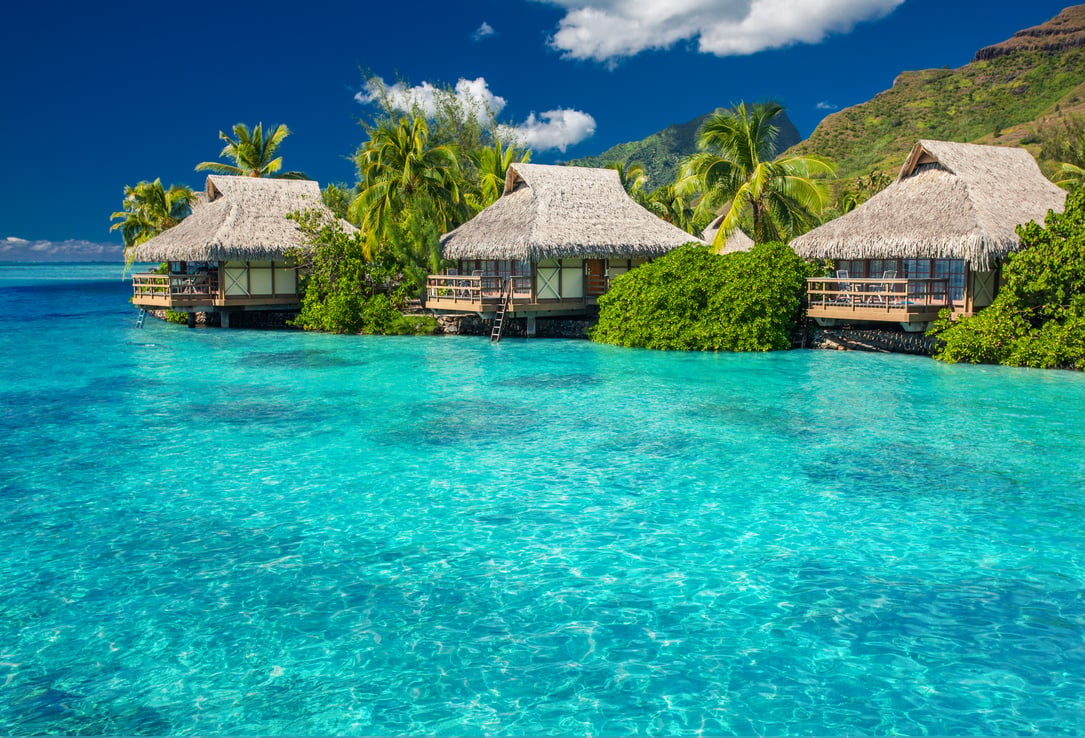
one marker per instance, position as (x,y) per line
(844,287)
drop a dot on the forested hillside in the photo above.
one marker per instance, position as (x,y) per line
(1006,95)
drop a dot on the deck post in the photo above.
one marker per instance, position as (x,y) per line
(191,319)
(530,326)
(224,318)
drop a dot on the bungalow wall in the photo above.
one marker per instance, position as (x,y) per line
(559,279)
(248,279)
(982,288)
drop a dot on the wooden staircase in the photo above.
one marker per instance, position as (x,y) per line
(499,317)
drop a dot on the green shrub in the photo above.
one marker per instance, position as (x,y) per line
(1038,317)
(344,292)
(174,316)
(692,299)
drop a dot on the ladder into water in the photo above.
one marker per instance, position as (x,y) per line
(499,318)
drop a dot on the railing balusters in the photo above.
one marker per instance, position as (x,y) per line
(874,293)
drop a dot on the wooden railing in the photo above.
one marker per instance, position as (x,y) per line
(173,285)
(474,289)
(596,284)
(878,294)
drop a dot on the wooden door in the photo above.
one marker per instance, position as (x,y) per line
(595,281)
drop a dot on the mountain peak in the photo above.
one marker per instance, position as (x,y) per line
(1065,31)
(1002,97)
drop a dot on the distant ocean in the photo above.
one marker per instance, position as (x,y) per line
(211,531)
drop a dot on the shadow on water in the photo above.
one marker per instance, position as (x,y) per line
(550,381)
(280,415)
(41,706)
(298,359)
(26,409)
(459,422)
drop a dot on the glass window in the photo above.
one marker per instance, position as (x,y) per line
(855,267)
(951,270)
(956,280)
(917,269)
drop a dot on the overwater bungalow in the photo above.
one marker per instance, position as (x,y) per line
(550,245)
(230,254)
(935,238)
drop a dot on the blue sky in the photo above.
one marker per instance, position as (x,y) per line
(97,96)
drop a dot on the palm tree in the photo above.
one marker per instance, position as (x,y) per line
(149,209)
(253,153)
(1072,176)
(666,203)
(774,200)
(633,178)
(404,182)
(491,165)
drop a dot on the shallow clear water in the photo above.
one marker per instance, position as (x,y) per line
(240,532)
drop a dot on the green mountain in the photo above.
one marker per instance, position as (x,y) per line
(661,152)
(1005,95)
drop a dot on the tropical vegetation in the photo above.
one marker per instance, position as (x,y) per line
(771,199)
(679,211)
(253,153)
(406,183)
(1038,317)
(346,291)
(692,299)
(150,208)
(423,172)
(661,154)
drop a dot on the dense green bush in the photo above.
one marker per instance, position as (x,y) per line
(344,292)
(1038,317)
(175,316)
(693,299)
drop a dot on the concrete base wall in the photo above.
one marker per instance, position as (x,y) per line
(876,339)
(261,319)
(473,325)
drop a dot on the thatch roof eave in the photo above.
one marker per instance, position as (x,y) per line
(551,212)
(245,219)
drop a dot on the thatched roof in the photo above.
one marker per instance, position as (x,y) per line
(243,218)
(737,241)
(950,201)
(549,211)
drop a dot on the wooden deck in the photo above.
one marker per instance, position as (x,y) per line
(199,292)
(482,294)
(877,299)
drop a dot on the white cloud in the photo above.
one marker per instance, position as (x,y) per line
(608,30)
(473,93)
(483,31)
(823,105)
(13,248)
(554,129)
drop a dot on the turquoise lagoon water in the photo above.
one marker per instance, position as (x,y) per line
(240,532)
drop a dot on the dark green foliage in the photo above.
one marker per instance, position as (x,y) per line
(174,316)
(337,196)
(692,299)
(1038,317)
(346,293)
(1063,140)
